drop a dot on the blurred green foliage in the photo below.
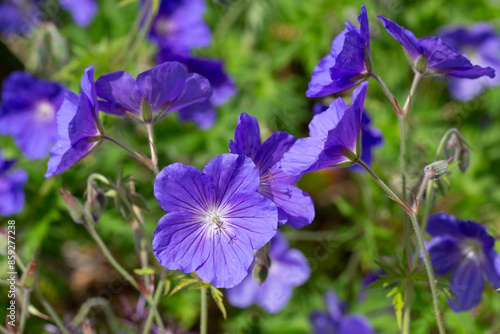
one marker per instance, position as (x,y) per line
(270,48)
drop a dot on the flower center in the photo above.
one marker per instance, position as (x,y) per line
(214,219)
(45,111)
(472,248)
(164,26)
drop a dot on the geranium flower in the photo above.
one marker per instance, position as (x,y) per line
(179,25)
(481,43)
(334,321)
(289,269)
(28,112)
(78,127)
(334,138)
(164,88)
(223,87)
(464,248)
(82,11)
(216,219)
(371,137)
(11,187)
(432,56)
(295,207)
(19,17)
(346,65)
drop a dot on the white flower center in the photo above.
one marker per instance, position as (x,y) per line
(45,111)
(471,248)
(164,26)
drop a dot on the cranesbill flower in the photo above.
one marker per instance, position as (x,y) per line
(78,127)
(179,25)
(335,320)
(19,17)
(334,138)
(371,137)
(481,43)
(289,268)
(11,187)
(82,11)
(162,89)
(432,56)
(465,249)
(348,62)
(295,207)
(216,219)
(28,112)
(223,87)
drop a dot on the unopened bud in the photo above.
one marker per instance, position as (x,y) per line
(75,208)
(437,169)
(262,264)
(463,158)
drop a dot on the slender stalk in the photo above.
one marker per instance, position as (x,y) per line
(423,186)
(388,190)
(142,31)
(407,308)
(136,155)
(51,311)
(414,84)
(24,310)
(152,147)
(390,97)
(156,300)
(430,272)
(4,330)
(428,202)
(203,311)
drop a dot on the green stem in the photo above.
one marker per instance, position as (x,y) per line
(138,156)
(51,311)
(142,31)
(407,307)
(203,311)
(430,272)
(390,97)
(24,310)
(413,88)
(428,203)
(4,330)
(156,300)
(152,147)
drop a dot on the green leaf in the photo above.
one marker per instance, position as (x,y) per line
(184,283)
(168,286)
(398,303)
(219,300)
(144,271)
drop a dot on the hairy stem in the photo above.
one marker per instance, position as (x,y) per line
(24,310)
(152,147)
(156,300)
(136,155)
(203,311)
(413,88)
(390,97)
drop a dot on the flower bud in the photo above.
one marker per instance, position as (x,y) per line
(437,169)
(262,264)
(75,208)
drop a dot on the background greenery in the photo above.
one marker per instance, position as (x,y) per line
(270,48)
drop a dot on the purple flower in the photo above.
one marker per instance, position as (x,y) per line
(19,17)
(78,127)
(334,321)
(334,137)
(222,86)
(11,188)
(465,249)
(82,11)
(432,56)
(28,113)
(289,268)
(481,42)
(371,137)
(160,90)
(346,65)
(216,219)
(295,207)
(179,25)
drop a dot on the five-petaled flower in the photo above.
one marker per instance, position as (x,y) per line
(289,269)
(464,248)
(11,187)
(162,89)
(334,320)
(348,63)
(432,56)
(295,207)
(216,219)
(223,87)
(179,25)
(78,126)
(334,138)
(28,113)
(481,43)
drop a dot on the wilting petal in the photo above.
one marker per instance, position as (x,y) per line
(355,324)
(246,137)
(466,285)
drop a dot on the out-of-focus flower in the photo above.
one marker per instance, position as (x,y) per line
(28,113)
(160,90)
(346,65)
(295,207)
(19,17)
(216,219)
(465,249)
(223,87)
(289,269)
(11,187)
(179,25)
(82,11)
(481,43)
(371,137)
(335,320)
(333,138)
(432,56)
(78,127)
